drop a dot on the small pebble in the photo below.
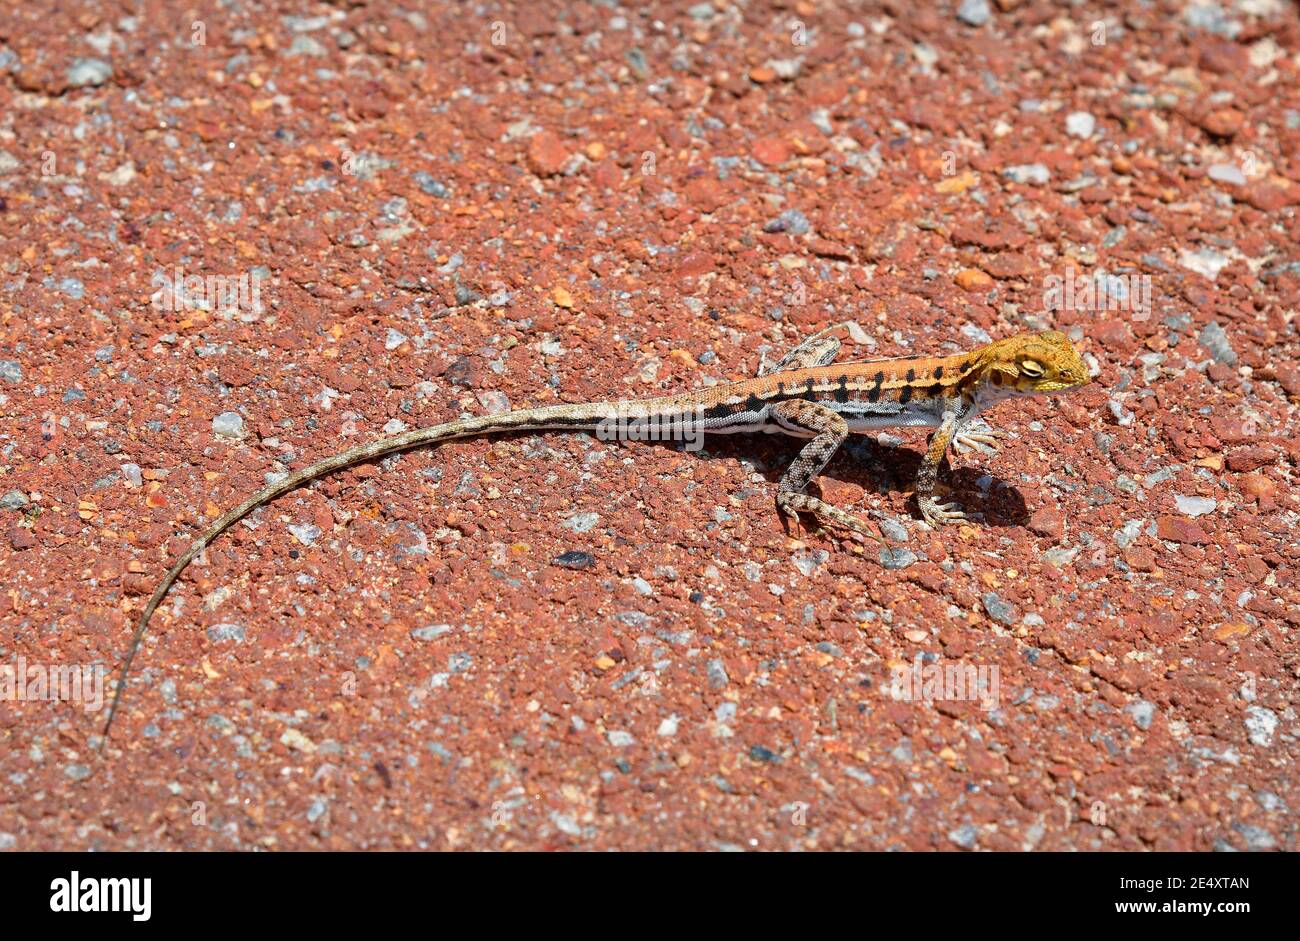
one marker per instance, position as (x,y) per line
(1205,261)
(1226,173)
(1214,339)
(85,73)
(13,500)
(1033,174)
(1194,506)
(430,632)
(1261,725)
(581,522)
(974,12)
(228,425)
(305,533)
(1142,712)
(1080,124)
(1001,611)
(791,221)
(897,558)
(717,674)
(221,632)
(575,559)
(431,186)
(964,836)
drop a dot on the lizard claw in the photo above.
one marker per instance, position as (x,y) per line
(937,514)
(794,525)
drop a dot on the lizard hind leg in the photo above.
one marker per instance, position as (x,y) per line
(827,429)
(819,349)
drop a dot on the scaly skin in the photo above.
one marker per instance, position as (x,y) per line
(802,395)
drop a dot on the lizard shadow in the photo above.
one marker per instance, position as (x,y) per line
(883,469)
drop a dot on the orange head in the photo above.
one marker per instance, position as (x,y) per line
(1032,363)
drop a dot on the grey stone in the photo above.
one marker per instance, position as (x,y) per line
(1214,339)
(964,836)
(14,500)
(1226,173)
(1261,724)
(791,221)
(974,12)
(228,425)
(1080,124)
(85,73)
(1001,611)
(1142,712)
(1194,506)
(223,632)
(430,632)
(1033,174)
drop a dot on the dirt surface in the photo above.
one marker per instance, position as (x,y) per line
(452,211)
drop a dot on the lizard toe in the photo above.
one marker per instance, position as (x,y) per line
(981,438)
(939,514)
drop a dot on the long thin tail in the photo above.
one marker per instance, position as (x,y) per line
(572,417)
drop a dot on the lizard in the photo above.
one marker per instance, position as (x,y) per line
(803,395)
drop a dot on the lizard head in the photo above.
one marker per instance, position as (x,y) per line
(1033,363)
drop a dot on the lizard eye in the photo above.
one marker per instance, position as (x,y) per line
(1031,368)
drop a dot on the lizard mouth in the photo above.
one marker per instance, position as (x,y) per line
(1056,388)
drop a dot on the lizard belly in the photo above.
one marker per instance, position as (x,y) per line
(871,416)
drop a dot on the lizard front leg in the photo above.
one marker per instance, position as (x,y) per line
(935,513)
(827,429)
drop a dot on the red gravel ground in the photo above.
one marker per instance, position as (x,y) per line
(468,207)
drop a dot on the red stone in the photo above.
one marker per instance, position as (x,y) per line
(1140,559)
(1222,122)
(696,263)
(1047,521)
(1249,459)
(771,151)
(1180,529)
(1265,197)
(547,154)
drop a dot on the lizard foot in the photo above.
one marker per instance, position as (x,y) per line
(793,504)
(795,524)
(937,514)
(980,438)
